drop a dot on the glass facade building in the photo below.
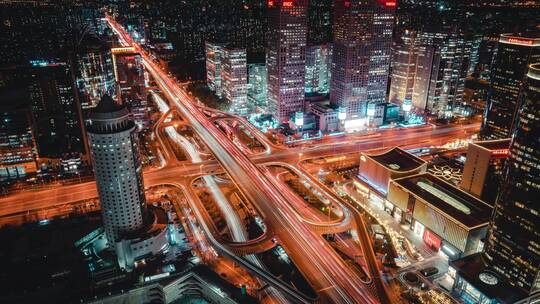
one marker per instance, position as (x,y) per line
(514,54)
(513,245)
(361,54)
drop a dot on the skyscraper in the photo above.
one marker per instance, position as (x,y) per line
(286,57)
(234,79)
(318,62)
(404,59)
(430,68)
(257,87)
(56,115)
(361,54)
(95,68)
(514,54)
(118,170)
(513,244)
(213,67)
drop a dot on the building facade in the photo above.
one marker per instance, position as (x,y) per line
(430,69)
(213,67)
(257,87)
(56,115)
(514,54)
(118,170)
(95,72)
(318,63)
(484,167)
(286,57)
(234,79)
(361,54)
(513,246)
(17,151)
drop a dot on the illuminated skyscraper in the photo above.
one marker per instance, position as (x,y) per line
(430,68)
(56,114)
(257,86)
(286,57)
(118,170)
(514,54)
(213,67)
(361,54)
(318,62)
(96,76)
(513,244)
(234,79)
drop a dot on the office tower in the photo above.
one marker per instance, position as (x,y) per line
(17,152)
(318,62)
(257,87)
(95,71)
(512,248)
(430,69)
(285,57)
(361,54)
(234,79)
(484,168)
(404,61)
(118,170)
(514,54)
(213,67)
(56,114)
(320,22)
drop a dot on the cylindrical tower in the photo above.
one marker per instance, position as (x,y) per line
(118,170)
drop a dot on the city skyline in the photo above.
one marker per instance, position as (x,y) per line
(270,151)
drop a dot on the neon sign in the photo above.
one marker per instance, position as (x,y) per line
(520,41)
(288,4)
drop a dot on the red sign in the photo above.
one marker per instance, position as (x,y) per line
(388,3)
(520,41)
(270,3)
(288,3)
(432,240)
(347,4)
(501,152)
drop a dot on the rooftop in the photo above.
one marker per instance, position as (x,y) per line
(498,144)
(398,160)
(531,38)
(454,202)
(473,270)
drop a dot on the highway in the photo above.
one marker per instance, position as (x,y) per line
(29,200)
(326,271)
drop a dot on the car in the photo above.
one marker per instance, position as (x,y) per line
(429,271)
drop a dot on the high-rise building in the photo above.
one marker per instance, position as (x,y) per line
(484,167)
(234,79)
(514,54)
(118,170)
(404,61)
(512,248)
(286,57)
(213,67)
(257,87)
(361,54)
(318,62)
(95,72)
(430,69)
(56,114)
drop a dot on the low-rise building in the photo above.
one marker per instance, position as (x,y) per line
(376,171)
(446,217)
